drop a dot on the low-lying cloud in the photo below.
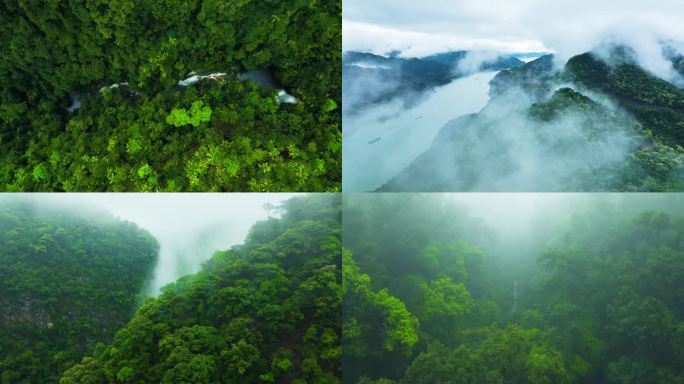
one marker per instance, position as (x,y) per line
(503,148)
(474,60)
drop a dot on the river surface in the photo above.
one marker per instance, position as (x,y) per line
(404,134)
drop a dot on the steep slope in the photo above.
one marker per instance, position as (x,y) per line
(67,281)
(265,311)
(657,104)
(617,130)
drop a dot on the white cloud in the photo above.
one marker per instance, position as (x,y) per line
(567,27)
(361,36)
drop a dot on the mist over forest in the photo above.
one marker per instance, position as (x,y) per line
(594,124)
(68,277)
(515,288)
(568,110)
(190,288)
(188,227)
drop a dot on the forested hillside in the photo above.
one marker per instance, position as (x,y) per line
(432,294)
(67,281)
(267,311)
(592,125)
(657,104)
(138,128)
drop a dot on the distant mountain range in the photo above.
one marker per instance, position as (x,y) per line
(370,79)
(589,126)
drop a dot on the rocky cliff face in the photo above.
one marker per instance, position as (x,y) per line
(27,312)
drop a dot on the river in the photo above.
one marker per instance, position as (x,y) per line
(376,148)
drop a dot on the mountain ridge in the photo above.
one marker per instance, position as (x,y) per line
(647,107)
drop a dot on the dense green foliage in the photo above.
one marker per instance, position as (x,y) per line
(67,281)
(267,311)
(154,135)
(657,104)
(178,141)
(431,295)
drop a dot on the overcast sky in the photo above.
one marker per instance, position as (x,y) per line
(566,27)
(188,226)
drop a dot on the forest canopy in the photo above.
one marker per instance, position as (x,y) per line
(442,289)
(68,279)
(90,98)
